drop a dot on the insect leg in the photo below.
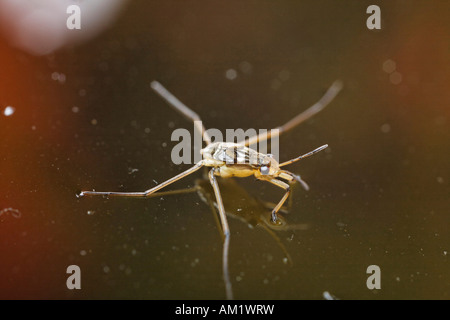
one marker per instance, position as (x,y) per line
(286,187)
(182,108)
(173,192)
(226,234)
(149,191)
(305,115)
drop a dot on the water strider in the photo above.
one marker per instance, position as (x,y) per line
(228,159)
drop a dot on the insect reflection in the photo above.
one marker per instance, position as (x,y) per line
(242,206)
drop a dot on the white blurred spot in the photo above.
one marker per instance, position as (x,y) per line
(231,74)
(440,180)
(11,211)
(132,170)
(94,122)
(60,77)
(385,128)
(395,77)
(328,296)
(389,66)
(195,262)
(9,111)
(39,27)
(83,252)
(245,67)
(75,109)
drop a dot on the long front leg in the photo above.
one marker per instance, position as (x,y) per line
(286,187)
(149,191)
(226,234)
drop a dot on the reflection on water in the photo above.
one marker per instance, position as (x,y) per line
(86,118)
(247,209)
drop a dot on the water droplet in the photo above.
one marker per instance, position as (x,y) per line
(9,111)
(245,67)
(395,77)
(385,128)
(389,66)
(231,74)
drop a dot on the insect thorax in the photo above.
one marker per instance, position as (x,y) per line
(220,153)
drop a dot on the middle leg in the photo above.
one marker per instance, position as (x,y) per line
(226,233)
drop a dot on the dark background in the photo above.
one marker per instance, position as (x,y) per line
(379,194)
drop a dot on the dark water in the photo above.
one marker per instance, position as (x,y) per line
(379,194)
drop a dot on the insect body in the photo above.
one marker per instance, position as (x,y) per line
(235,160)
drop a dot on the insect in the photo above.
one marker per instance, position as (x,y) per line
(226,159)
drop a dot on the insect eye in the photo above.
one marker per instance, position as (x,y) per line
(264,170)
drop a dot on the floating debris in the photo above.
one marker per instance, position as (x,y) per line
(13,212)
(132,170)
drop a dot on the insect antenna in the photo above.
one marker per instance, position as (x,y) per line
(303,156)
